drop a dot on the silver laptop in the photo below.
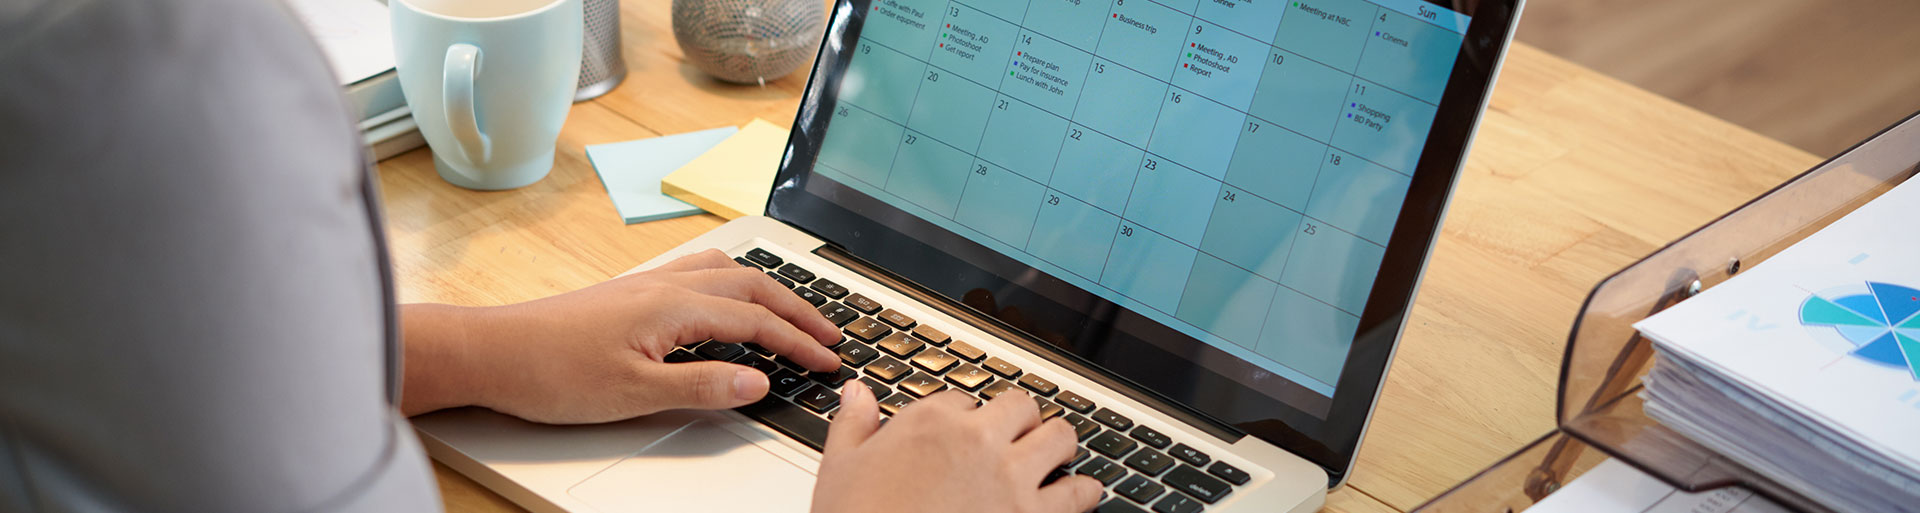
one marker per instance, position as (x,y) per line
(1193,228)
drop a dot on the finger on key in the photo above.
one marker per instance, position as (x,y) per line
(1011,414)
(1041,450)
(727,320)
(756,287)
(858,418)
(1071,494)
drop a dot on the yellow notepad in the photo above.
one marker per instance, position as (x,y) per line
(734,178)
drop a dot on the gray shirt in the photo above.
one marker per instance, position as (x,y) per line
(195,313)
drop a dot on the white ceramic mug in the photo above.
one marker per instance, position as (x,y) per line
(489,82)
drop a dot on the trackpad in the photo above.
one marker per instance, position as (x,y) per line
(701,467)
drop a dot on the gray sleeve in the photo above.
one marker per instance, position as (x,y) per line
(194,311)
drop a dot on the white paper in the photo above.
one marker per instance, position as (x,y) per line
(1615,487)
(356,35)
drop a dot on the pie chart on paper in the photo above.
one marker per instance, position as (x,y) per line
(1883,324)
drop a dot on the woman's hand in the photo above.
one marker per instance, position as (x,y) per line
(595,354)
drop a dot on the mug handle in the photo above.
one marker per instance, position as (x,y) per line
(462,67)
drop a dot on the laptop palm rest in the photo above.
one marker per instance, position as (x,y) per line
(702,466)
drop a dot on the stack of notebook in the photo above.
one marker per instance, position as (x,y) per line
(357,36)
(1806,368)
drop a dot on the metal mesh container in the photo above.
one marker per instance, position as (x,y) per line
(601,66)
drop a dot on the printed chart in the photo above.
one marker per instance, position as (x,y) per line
(1231,168)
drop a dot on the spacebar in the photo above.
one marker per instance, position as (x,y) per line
(790,419)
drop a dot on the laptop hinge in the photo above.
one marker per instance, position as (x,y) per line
(1181,412)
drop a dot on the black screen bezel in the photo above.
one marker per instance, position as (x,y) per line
(871,230)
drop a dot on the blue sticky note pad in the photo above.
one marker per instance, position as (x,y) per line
(631,171)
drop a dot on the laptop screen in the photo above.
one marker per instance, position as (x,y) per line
(1196,195)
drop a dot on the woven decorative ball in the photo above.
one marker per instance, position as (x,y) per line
(748,41)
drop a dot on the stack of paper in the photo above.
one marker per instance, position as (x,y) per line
(1807,368)
(357,38)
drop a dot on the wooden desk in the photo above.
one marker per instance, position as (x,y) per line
(1573,176)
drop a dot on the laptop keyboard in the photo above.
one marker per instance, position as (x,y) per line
(903,361)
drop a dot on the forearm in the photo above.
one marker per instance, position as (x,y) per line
(441,358)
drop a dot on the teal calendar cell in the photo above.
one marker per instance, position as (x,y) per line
(1275,163)
(1072,235)
(1409,55)
(1000,203)
(1145,36)
(951,109)
(1384,126)
(1074,22)
(1307,335)
(1023,138)
(1221,65)
(1332,32)
(1112,102)
(1148,267)
(1250,232)
(1226,300)
(1172,200)
(1332,265)
(1010,10)
(1358,197)
(873,79)
(860,144)
(1300,94)
(1184,6)
(1196,132)
(1095,168)
(929,173)
(974,45)
(1254,18)
(1045,72)
(909,26)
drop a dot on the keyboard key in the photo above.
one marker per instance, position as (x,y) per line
(788,418)
(835,378)
(857,354)
(785,382)
(932,336)
(967,352)
(1002,367)
(880,390)
(1229,472)
(893,403)
(1176,503)
(888,369)
(818,398)
(935,361)
(969,377)
(900,345)
(1139,489)
(831,289)
(1190,480)
(1102,469)
(1119,506)
(756,362)
(1113,419)
(863,304)
(1074,402)
(921,384)
(1048,409)
(721,351)
(681,356)
(1190,455)
(1083,427)
(1149,461)
(744,262)
(757,349)
(867,329)
(897,319)
(812,297)
(1113,444)
(796,273)
(839,314)
(1079,454)
(1038,385)
(994,390)
(763,257)
(784,282)
(1153,438)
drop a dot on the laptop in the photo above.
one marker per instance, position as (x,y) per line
(1192,228)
